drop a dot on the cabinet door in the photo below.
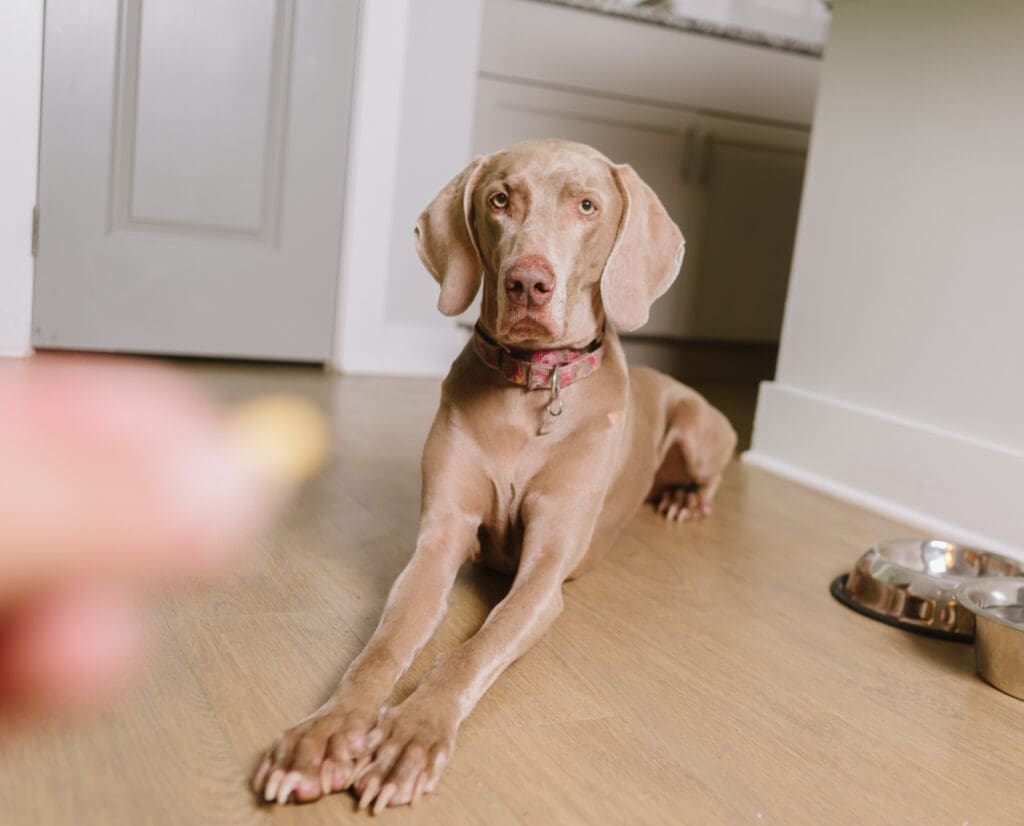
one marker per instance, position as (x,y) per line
(657,142)
(751,201)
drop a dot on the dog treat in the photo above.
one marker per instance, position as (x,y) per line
(287,437)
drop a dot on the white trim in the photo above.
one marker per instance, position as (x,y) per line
(387,132)
(370,182)
(955,486)
(21,67)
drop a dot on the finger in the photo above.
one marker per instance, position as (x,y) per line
(127,470)
(71,648)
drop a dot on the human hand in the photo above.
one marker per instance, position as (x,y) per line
(113,479)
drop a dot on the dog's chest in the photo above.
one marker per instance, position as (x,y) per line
(527,473)
(511,475)
(501,544)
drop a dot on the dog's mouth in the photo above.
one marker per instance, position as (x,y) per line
(520,324)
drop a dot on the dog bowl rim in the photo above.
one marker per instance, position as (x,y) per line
(952,579)
(874,564)
(971,604)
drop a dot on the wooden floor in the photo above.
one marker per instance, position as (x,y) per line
(702,675)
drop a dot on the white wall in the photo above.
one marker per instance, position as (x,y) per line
(408,140)
(901,374)
(21,47)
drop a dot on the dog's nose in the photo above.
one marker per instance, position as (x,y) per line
(529,283)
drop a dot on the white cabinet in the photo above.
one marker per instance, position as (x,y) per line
(732,185)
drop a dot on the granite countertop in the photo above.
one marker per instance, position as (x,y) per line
(726,23)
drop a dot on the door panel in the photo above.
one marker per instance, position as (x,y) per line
(191,174)
(183,164)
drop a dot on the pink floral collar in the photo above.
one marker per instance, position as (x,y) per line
(536,369)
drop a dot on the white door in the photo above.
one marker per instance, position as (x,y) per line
(191,171)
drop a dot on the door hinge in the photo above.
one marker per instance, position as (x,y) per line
(35,230)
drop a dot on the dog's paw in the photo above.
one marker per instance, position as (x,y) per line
(683,502)
(319,756)
(411,745)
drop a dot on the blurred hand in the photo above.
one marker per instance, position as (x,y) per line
(112,478)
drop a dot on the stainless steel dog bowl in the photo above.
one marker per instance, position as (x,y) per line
(910,583)
(997,605)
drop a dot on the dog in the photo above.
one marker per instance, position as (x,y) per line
(544,446)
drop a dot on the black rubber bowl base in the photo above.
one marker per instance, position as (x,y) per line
(838,590)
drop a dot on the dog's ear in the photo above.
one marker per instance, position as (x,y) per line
(645,257)
(446,241)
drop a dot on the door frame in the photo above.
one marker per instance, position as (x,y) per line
(21,76)
(391,137)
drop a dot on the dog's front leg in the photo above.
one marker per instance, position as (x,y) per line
(322,753)
(413,740)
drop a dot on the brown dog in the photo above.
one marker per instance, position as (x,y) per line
(544,446)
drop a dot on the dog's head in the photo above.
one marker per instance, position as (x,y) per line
(561,238)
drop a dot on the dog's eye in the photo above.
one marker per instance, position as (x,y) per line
(499,200)
(588,207)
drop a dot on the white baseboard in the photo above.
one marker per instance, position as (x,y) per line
(950,485)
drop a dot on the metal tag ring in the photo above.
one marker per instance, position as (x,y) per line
(555,407)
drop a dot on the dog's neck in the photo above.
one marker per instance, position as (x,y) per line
(537,369)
